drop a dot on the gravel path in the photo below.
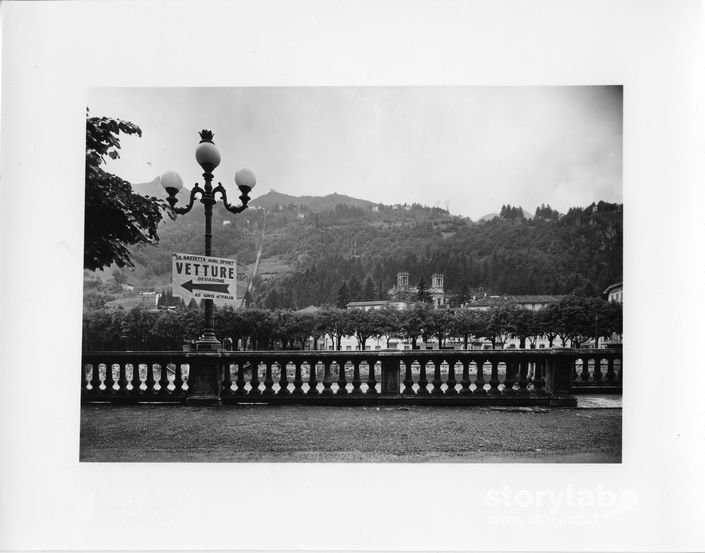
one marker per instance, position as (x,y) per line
(294,433)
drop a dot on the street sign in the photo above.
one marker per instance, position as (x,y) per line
(200,277)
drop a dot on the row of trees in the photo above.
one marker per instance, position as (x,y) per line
(574,321)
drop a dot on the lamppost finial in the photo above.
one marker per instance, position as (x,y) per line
(206,136)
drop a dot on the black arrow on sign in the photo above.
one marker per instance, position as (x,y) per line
(190,286)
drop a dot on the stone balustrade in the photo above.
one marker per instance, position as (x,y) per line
(436,377)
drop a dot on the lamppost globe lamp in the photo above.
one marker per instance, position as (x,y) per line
(207,155)
(172,182)
(245,180)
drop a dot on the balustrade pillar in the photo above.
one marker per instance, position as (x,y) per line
(538,381)
(494,379)
(480,377)
(510,376)
(122,380)
(150,382)
(423,381)
(135,381)
(254,381)
(356,382)
(390,376)
(371,382)
(560,375)
(226,389)
(465,381)
(597,371)
(326,379)
(523,382)
(268,380)
(298,381)
(342,380)
(84,380)
(283,380)
(585,374)
(437,382)
(450,390)
(240,382)
(205,379)
(95,378)
(312,380)
(109,382)
(178,379)
(164,378)
(408,380)
(610,371)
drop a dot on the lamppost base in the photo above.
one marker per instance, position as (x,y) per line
(204,374)
(206,400)
(209,344)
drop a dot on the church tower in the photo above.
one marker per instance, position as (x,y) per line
(437,290)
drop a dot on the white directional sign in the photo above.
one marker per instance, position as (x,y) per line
(201,277)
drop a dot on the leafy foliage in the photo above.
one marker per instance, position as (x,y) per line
(575,320)
(115,217)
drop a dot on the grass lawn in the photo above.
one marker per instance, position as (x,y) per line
(296,433)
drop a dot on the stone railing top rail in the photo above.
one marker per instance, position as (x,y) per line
(362,355)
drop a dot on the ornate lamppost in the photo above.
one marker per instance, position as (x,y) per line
(208,157)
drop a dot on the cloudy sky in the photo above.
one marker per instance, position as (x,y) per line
(471,149)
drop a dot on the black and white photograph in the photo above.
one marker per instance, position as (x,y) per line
(411,274)
(350,276)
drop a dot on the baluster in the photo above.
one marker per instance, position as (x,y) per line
(342,380)
(178,378)
(480,377)
(356,382)
(437,382)
(298,381)
(451,391)
(408,380)
(327,382)
(610,371)
(371,382)
(254,381)
(164,378)
(227,385)
(585,374)
(240,382)
(109,382)
(539,372)
(268,380)
(312,378)
(150,382)
(494,379)
(597,372)
(95,378)
(524,377)
(84,380)
(510,376)
(283,380)
(465,381)
(423,381)
(135,380)
(122,380)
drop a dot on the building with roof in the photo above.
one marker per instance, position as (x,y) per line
(437,290)
(377,304)
(532,302)
(614,292)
